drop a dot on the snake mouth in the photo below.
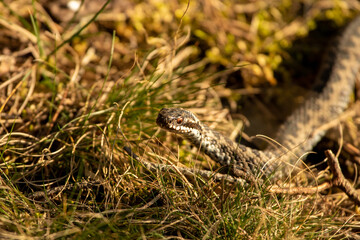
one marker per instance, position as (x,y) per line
(177,120)
(166,119)
(169,119)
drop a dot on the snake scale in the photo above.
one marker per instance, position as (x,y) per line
(331,94)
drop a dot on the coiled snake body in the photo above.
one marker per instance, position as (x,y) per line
(326,103)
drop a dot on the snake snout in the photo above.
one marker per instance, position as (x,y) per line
(161,119)
(165,118)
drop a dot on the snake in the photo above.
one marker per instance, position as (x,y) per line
(328,99)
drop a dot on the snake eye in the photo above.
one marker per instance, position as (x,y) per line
(179,120)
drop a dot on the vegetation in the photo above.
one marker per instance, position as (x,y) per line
(77,86)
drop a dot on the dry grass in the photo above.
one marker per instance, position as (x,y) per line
(76,87)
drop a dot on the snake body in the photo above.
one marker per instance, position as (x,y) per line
(330,96)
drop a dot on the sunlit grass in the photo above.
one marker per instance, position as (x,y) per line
(74,97)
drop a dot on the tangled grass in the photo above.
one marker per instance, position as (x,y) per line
(79,86)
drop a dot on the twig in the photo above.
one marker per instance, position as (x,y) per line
(300,190)
(338,178)
(56,190)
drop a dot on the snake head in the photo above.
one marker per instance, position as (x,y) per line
(178,120)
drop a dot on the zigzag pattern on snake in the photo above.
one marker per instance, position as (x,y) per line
(326,103)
